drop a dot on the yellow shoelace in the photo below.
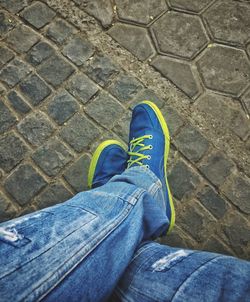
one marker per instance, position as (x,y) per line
(139,157)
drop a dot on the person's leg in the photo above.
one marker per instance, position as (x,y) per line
(161,273)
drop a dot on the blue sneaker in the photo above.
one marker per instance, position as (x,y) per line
(109,159)
(149,143)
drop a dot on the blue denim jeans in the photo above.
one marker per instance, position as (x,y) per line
(79,250)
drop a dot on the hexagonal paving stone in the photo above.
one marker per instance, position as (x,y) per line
(193,6)
(179,34)
(224,69)
(246,99)
(229,21)
(140,11)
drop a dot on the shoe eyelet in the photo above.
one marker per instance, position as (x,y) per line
(150,147)
(148,157)
(147,166)
(150,136)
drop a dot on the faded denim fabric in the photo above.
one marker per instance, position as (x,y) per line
(80,249)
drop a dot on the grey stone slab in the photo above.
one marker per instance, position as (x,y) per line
(193,6)
(35,128)
(238,191)
(182,180)
(24,184)
(142,12)
(78,50)
(191,143)
(62,107)
(147,95)
(121,128)
(7,23)
(172,118)
(246,99)
(6,209)
(22,38)
(104,109)
(60,30)
(12,151)
(38,53)
(55,70)
(14,72)
(52,157)
(76,174)
(55,193)
(216,168)
(224,69)
(101,69)
(19,105)
(34,89)
(38,14)
(216,246)
(180,73)
(7,119)
(179,34)
(229,21)
(134,39)
(125,87)
(5,55)
(79,132)
(213,202)
(81,87)
(13,6)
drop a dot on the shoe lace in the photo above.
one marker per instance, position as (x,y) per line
(137,157)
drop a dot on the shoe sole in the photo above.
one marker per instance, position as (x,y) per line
(96,156)
(167,147)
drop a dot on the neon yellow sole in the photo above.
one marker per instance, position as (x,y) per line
(167,147)
(96,156)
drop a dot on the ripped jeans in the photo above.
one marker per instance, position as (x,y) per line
(95,247)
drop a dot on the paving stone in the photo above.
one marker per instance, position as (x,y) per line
(104,109)
(193,6)
(38,14)
(221,114)
(173,119)
(213,202)
(36,128)
(238,191)
(216,168)
(122,126)
(78,50)
(62,107)
(100,69)
(179,73)
(52,195)
(82,87)
(76,174)
(55,70)
(191,143)
(5,55)
(175,239)
(229,21)
(22,38)
(35,89)
(134,39)
(179,34)
(7,23)
(13,6)
(2,90)
(216,246)
(140,11)
(12,151)
(52,157)
(59,30)
(195,221)
(224,69)
(38,53)
(246,99)
(14,72)
(182,180)
(79,132)
(147,95)
(24,184)
(125,87)
(7,119)
(18,103)
(6,209)
(102,10)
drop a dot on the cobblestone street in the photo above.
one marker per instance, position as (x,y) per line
(70,72)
